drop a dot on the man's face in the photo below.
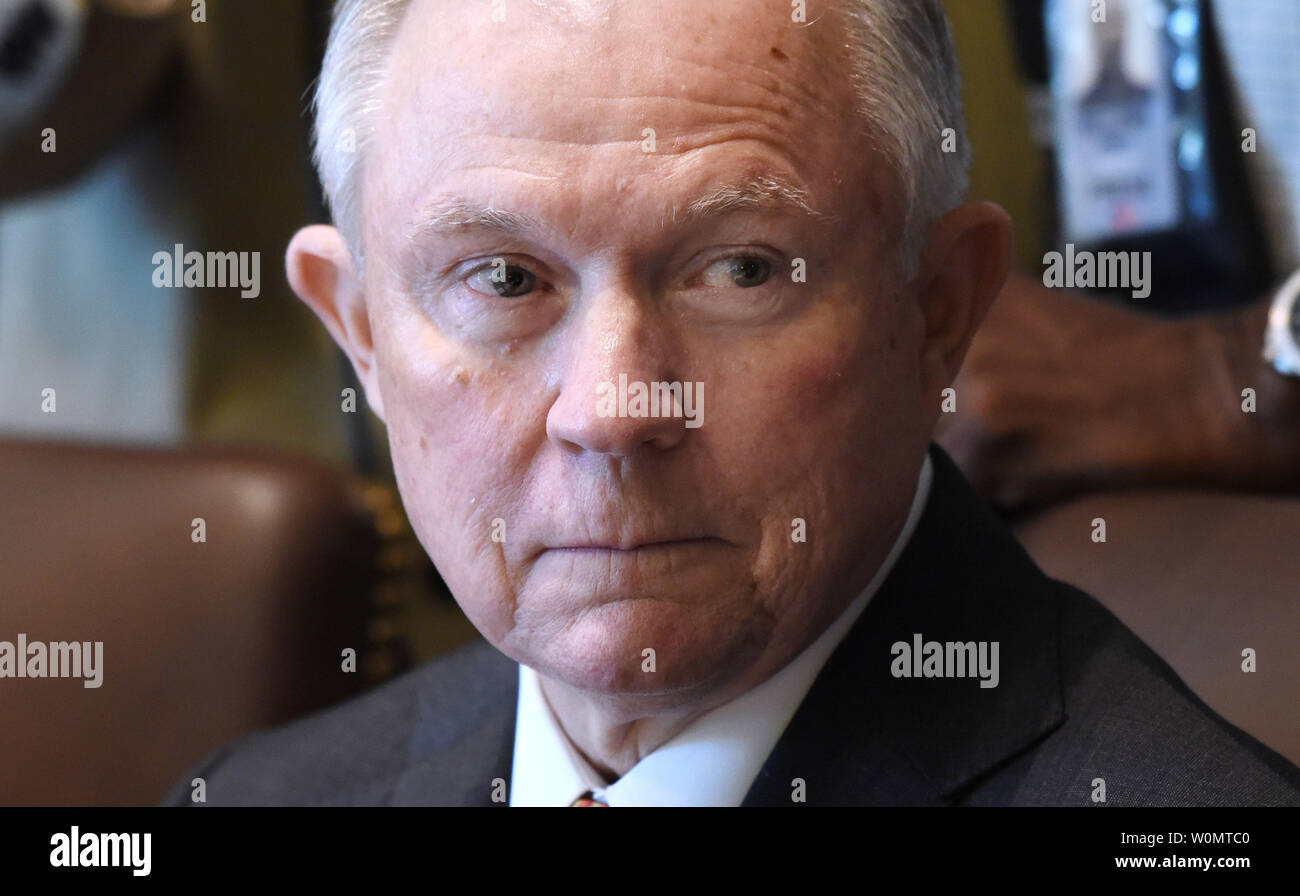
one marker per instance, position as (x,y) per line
(574,540)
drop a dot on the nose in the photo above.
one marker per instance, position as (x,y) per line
(615,343)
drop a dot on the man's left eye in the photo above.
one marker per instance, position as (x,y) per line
(743,271)
(507,281)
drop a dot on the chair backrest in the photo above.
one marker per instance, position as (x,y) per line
(202,640)
(1201,577)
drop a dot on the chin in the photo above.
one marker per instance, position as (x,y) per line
(605,650)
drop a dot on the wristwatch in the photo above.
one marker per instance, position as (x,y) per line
(1282,338)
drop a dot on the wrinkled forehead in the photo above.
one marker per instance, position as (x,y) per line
(586,70)
(546,86)
(575,63)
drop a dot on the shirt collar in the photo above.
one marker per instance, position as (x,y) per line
(714,761)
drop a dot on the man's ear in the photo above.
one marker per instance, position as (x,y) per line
(963,268)
(322,274)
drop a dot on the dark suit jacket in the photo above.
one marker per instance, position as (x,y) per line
(1080,699)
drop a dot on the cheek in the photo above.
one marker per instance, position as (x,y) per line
(458,458)
(825,428)
(810,398)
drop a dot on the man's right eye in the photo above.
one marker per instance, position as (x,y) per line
(507,281)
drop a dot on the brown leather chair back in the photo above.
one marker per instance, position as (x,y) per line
(1200,577)
(201,640)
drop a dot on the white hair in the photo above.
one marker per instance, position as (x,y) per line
(904,71)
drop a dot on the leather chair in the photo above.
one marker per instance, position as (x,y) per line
(1200,577)
(202,641)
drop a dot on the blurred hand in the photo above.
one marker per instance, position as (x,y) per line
(1063,393)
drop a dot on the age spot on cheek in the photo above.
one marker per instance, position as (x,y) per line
(459,376)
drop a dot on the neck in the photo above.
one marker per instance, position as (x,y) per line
(610,739)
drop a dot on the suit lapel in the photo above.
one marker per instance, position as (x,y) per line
(865,737)
(463,732)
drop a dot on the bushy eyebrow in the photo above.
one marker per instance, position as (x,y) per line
(763,192)
(452,215)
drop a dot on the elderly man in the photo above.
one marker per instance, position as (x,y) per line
(561,227)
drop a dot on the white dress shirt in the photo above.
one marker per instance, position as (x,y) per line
(714,760)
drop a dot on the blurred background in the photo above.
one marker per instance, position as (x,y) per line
(130,411)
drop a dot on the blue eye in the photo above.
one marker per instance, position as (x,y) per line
(508,281)
(742,271)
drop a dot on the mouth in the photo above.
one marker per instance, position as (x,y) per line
(600,571)
(631,546)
